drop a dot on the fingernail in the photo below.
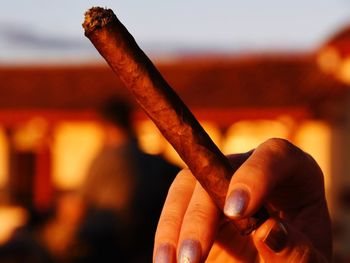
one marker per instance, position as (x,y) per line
(236,203)
(165,254)
(277,238)
(190,251)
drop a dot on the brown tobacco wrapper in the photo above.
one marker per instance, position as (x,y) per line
(175,121)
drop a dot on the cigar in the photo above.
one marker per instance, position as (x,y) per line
(164,107)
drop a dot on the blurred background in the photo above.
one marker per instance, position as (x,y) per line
(249,70)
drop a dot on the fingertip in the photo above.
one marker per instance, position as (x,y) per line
(199,227)
(277,241)
(165,253)
(236,203)
(247,191)
(190,251)
(271,237)
(170,221)
(277,237)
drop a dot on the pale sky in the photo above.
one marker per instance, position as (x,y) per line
(44,30)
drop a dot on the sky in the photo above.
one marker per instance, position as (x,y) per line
(36,31)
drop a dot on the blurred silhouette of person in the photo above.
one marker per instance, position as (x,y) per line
(124,192)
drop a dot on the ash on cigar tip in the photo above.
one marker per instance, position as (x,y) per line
(97,17)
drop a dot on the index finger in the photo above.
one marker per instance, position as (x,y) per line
(275,168)
(170,221)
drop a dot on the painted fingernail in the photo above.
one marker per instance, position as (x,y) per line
(165,254)
(236,203)
(277,238)
(190,251)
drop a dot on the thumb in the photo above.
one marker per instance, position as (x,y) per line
(276,241)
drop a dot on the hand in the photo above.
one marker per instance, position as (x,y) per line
(277,175)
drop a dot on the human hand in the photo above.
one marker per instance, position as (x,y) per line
(277,175)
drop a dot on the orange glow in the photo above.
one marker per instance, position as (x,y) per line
(247,135)
(343,73)
(212,130)
(76,143)
(150,139)
(11,218)
(74,147)
(329,60)
(4,170)
(30,134)
(314,137)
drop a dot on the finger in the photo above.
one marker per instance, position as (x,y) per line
(198,228)
(279,242)
(170,221)
(280,174)
(237,159)
(274,163)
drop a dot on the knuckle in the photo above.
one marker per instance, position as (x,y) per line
(280,146)
(184,173)
(293,158)
(183,180)
(285,151)
(185,176)
(198,213)
(166,225)
(170,221)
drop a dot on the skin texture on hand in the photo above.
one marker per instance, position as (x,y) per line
(276,174)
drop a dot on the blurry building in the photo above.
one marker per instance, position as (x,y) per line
(334,60)
(49,131)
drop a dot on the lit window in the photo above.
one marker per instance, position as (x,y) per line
(344,71)
(11,217)
(247,135)
(74,147)
(329,60)
(149,137)
(314,137)
(3,159)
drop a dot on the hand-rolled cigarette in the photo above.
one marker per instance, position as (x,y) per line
(175,121)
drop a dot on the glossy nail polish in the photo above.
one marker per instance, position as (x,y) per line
(190,251)
(165,254)
(236,203)
(277,238)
